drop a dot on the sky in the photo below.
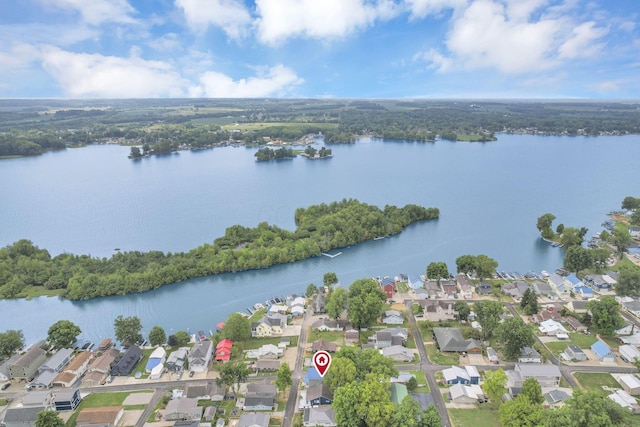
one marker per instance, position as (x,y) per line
(320,49)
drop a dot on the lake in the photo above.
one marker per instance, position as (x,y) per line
(93,200)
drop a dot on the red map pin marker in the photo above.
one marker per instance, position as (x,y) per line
(322,360)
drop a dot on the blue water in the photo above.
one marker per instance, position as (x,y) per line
(92,200)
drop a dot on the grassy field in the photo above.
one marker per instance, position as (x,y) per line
(98,400)
(330,336)
(480,417)
(595,381)
(582,340)
(420,377)
(440,358)
(557,346)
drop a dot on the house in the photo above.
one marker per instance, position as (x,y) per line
(297,311)
(542,288)
(629,353)
(200,356)
(627,329)
(259,403)
(216,392)
(575,324)
(204,391)
(573,352)
(466,285)
(632,307)
(402,377)
(392,317)
(127,362)
(38,398)
(278,308)
(529,355)
(547,375)
(105,344)
(266,365)
(634,232)
(470,394)
(398,392)
(73,371)
(254,420)
(388,287)
(5,374)
(573,282)
(461,375)
(584,292)
(551,327)
(223,350)
(484,288)
(515,289)
(322,345)
(26,366)
(437,310)
(625,400)
(450,339)
(577,306)
(433,289)
(422,293)
(106,416)
(398,353)
(99,368)
(597,282)
(270,325)
(554,398)
(492,355)
(603,352)
(320,304)
(325,324)
(630,384)
(351,336)
(311,376)
(58,361)
(558,284)
(43,380)
(267,351)
(382,339)
(157,357)
(449,288)
(22,417)
(319,394)
(177,358)
(183,408)
(323,416)
(189,423)
(67,400)
(398,335)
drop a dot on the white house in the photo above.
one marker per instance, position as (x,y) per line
(462,393)
(629,353)
(551,327)
(630,384)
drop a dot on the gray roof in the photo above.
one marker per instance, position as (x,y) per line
(538,370)
(450,339)
(555,396)
(200,350)
(254,401)
(16,415)
(262,389)
(323,415)
(44,379)
(4,366)
(32,354)
(253,420)
(632,305)
(62,356)
(319,390)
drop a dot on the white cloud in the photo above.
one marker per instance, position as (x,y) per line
(435,59)
(230,15)
(166,42)
(319,19)
(583,42)
(96,12)
(276,81)
(422,8)
(94,75)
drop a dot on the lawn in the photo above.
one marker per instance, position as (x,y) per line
(557,346)
(143,363)
(421,380)
(440,358)
(582,340)
(480,417)
(98,400)
(331,336)
(595,381)
(254,343)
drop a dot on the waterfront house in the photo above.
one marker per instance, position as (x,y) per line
(603,352)
(573,352)
(5,374)
(254,420)
(157,357)
(106,416)
(319,304)
(542,288)
(515,289)
(73,371)
(297,311)
(546,374)
(558,284)
(629,353)
(200,356)
(127,362)
(269,325)
(99,368)
(630,384)
(466,394)
(22,417)
(398,353)
(573,282)
(105,344)
(223,350)
(596,282)
(278,308)
(433,289)
(449,288)
(529,355)
(461,375)
(392,317)
(465,285)
(67,400)
(58,361)
(323,416)
(388,287)
(26,366)
(177,359)
(625,400)
(450,340)
(183,408)
(319,394)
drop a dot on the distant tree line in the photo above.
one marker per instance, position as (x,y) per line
(319,228)
(267,153)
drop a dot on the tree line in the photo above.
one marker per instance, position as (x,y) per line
(320,228)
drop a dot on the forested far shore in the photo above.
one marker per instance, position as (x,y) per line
(27,269)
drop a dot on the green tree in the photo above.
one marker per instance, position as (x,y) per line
(586,409)
(437,271)
(600,257)
(135,153)
(485,266)
(10,342)
(560,228)
(330,279)
(621,239)
(630,203)
(629,282)
(63,334)
(514,335)
(157,336)
(346,401)
(237,327)
(407,413)
(337,303)
(342,372)
(521,412)
(466,264)
(375,408)
(605,315)
(488,315)
(578,258)
(463,309)
(49,418)
(544,224)
(572,236)
(411,384)
(634,218)
(430,417)
(232,374)
(311,290)
(532,390)
(127,329)
(529,302)
(495,385)
(366,302)
(283,379)
(179,339)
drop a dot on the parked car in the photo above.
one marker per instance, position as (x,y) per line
(191,373)
(5,386)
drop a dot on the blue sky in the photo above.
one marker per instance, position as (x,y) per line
(320,48)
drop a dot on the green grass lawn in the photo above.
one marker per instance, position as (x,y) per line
(480,417)
(98,400)
(582,340)
(140,368)
(557,346)
(254,343)
(440,358)
(611,342)
(595,381)
(331,336)
(420,377)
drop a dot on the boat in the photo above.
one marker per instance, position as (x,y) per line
(201,335)
(249,310)
(258,306)
(379,238)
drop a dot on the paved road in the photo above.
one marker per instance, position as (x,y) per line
(429,369)
(150,407)
(296,376)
